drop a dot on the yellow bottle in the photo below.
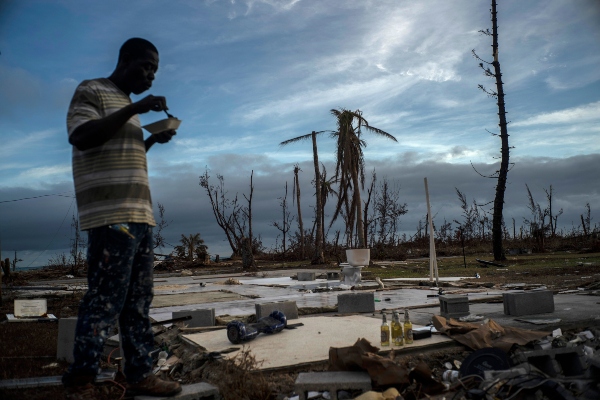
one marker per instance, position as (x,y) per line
(408,330)
(397,334)
(385,332)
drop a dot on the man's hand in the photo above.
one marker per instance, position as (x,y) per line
(165,136)
(150,103)
(162,137)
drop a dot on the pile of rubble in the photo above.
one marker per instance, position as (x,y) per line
(556,366)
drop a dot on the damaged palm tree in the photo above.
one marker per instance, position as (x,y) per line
(502,173)
(350,168)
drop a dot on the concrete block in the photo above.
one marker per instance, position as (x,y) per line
(562,361)
(528,303)
(306,276)
(196,391)
(356,302)
(203,317)
(66,339)
(332,381)
(454,306)
(333,276)
(289,308)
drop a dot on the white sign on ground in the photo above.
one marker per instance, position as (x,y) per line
(30,308)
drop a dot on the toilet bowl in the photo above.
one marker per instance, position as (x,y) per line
(351,275)
(352,270)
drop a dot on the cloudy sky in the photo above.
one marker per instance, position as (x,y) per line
(244,75)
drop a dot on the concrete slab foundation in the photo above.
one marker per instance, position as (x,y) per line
(310,342)
(66,339)
(200,318)
(528,303)
(332,381)
(306,276)
(289,308)
(197,391)
(356,302)
(454,306)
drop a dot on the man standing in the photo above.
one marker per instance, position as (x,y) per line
(114,204)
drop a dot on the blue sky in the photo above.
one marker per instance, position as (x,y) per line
(246,75)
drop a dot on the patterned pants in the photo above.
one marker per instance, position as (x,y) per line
(120,271)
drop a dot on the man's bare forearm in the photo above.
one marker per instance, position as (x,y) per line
(97,132)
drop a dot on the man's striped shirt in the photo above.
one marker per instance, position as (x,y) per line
(111,180)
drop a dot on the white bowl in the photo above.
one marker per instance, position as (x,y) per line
(358,257)
(163,125)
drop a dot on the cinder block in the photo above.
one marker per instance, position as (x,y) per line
(331,276)
(289,308)
(306,276)
(332,381)
(356,302)
(204,317)
(66,339)
(528,303)
(197,391)
(454,306)
(562,361)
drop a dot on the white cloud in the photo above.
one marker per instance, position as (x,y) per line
(47,173)
(575,115)
(23,144)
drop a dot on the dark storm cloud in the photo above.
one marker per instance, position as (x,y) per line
(36,224)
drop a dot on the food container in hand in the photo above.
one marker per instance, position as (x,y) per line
(166,124)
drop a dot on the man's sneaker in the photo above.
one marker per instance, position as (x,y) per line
(81,392)
(153,386)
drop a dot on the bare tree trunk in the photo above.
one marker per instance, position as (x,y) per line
(585,232)
(366,210)
(248,262)
(360,233)
(76,243)
(300,224)
(318,258)
(249,213)
(501,186)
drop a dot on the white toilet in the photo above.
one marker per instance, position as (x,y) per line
(357,260)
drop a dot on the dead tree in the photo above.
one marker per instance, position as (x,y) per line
(248,210)
(586,223)
(77,243)
(159,239)
(285,225)
(501,174)
(388,210)
(472,219)
(296,191)
(229,214)
(537,223)
(553,217)
(367,222)
(319,257)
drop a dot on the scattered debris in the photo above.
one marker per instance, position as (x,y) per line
(490,334)
(539,321)
(471,318)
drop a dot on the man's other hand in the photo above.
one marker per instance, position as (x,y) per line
(165,136)
(150,103)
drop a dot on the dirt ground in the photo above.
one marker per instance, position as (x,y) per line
(29,349)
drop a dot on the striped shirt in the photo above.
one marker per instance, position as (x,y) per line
(111,180)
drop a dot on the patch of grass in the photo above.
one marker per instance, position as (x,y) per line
(546,263)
